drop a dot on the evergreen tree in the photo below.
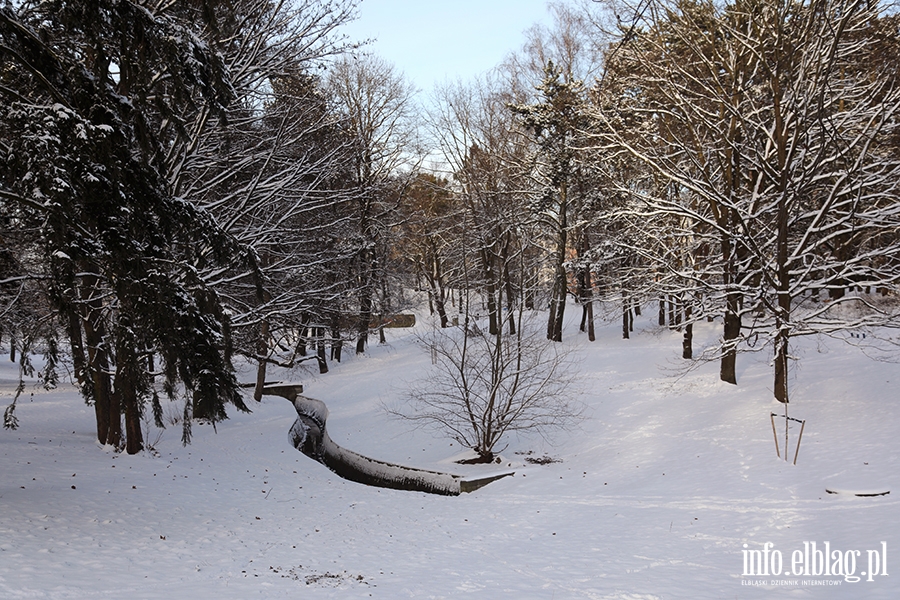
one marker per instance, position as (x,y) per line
(87,86)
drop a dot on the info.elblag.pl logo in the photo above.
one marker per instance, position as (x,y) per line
(814,560)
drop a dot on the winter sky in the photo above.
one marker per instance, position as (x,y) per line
(433,41)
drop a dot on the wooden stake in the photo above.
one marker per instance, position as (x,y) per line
(787,423)
(775,434)
(799,438)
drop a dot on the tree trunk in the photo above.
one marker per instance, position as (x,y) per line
(732,328)
(337,343)
(586,294)
(320,349)
(106,410)
(262,349)
(436,297)
(561,283)
(301,341)
(114,417)
(687,342)
(76,345)
(126,382)
(490,291)
(625,317)
(510,295)
(783,313)
(731,333)
(365,318)
(679,307)
(557,305)
(592,336)
(662,312)
(437,285)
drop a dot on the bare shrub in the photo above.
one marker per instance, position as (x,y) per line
(484,386)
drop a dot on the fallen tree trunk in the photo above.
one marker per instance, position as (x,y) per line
(309,435)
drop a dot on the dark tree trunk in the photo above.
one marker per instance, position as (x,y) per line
(337,342)
(436,296)
(385,311)
(560,283)
(365,318)
(126,384)
(783,315)
(687,342)
(557,305)
(262,350)
(679,307)
(106,410)
(626,313)
(731,333)
(671,310)
(662,313)
(76,345)
(781,367)
(320,349)
(510,298)
(592,336)
(732,329)
(437,285)
(114,417)
(586,294)
(301,341)
(490,298)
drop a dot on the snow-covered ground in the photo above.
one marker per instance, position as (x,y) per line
(663,491)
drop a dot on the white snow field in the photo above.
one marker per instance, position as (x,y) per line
(667,489)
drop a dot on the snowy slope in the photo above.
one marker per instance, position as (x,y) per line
(654,495)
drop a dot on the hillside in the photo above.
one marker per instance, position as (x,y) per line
(654,495)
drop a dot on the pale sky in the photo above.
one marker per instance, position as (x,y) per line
(432,41)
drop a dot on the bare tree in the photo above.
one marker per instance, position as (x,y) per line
(486,154)
(375,103)
(773,122)
(272,173)
(486,386)
(554,63)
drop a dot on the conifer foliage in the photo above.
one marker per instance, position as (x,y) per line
(86,86)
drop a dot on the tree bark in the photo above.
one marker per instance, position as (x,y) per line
(365,318)
(76,345)
(126,382)
(687,342)
(510,293)
(106,416)
(732,331)
(320,349)
(262,349)
(337,343)
(561,284)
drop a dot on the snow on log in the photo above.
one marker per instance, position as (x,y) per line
(309,436)
(861,493)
